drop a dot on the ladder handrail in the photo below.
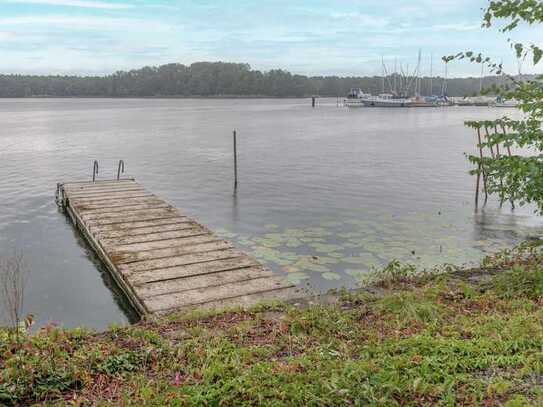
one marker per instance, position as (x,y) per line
(120,169)
(94,171)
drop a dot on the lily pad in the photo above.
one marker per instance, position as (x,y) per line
(356,273)
(291,269)
(331,276)
(325,248)
(225,233)
(331,224)
(245,242)
(361,259)
(297,277)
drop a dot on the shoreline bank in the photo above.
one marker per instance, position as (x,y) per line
(458,336)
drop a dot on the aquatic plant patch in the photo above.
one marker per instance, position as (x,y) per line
(337,251)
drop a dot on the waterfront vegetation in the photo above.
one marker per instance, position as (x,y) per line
(438,337)
(513,176)
(209,79)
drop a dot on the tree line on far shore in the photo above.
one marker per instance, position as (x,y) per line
(209,79)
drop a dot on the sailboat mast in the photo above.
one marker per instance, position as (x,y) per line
(395,74)
(420,72)
(431,74)
(444,85)
(383,66)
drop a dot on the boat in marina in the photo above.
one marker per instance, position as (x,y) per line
(401,88)
(386,100)
(473,101)
(354,98)
(501,102)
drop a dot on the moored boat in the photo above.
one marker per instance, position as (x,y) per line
(386,100)
(354,98)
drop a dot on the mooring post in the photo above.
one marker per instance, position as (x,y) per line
(235,161)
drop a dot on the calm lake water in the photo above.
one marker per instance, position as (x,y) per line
(325,194)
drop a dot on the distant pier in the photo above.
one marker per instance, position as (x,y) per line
(163,260)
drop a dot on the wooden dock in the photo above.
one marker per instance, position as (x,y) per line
(163,260)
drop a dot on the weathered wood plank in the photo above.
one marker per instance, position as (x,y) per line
(141,224)
(187,270)
(208,294)
(117,204)
(153,237)
(72,191)
(167,214)
(243,301)
(131,257)
(182,260)
(129,212)
(106,192)
(86,184)
(203,237)
(201,281)
(121,209)
(75,188)
(112,197)
(71,188)
(107,232)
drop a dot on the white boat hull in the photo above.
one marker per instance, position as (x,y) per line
(387,103)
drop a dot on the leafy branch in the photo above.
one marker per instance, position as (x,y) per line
(515,174)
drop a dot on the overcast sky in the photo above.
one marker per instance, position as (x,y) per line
(344,37)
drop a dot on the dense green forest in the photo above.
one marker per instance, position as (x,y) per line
(211,79)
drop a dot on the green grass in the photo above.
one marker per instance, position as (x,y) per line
(458,338)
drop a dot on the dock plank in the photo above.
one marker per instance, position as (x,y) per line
(123,208)
(107,232)
(244,301)
(125,219)
(183,260)
(163,260)
(208,294)
(153,254)
(179,285)
(153,237)
(129,212)
(119,203)
(71,186)
(188,270)
(105,191)
(203,237)
(111,197)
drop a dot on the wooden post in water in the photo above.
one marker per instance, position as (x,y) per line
(488,141)
(235,161)
(508,147)
(477,187)
(509,154)
(497,156)
(481,164)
